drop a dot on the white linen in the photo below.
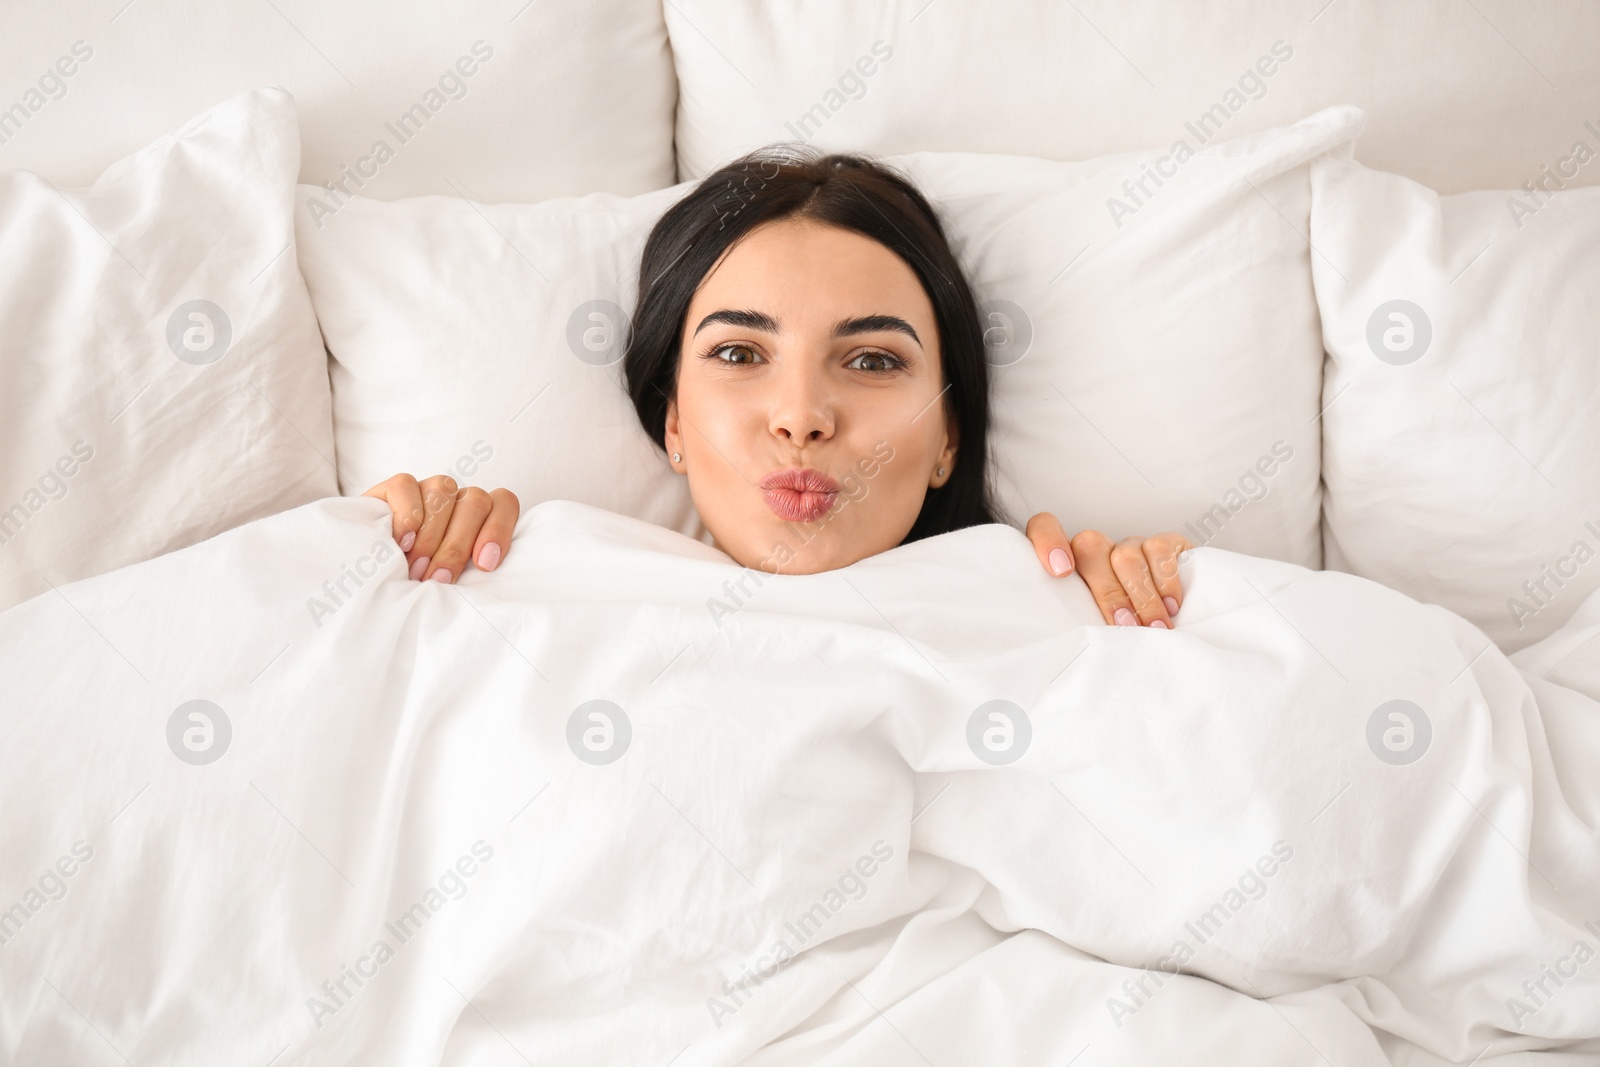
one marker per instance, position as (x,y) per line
(485,342)
(1158,364)
(161,373)
(1460,440)
(398,748)
(494,100)
(1459,99)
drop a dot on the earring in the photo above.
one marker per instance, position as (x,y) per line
(941,472)
(677,458)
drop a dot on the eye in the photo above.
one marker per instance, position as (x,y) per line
(886,362)
(733,346)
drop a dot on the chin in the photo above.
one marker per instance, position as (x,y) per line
(808,564)
(765,552)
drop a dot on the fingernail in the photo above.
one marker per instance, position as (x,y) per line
(1172,605)
(489,556)
(1125,617)
(1158,624)
(441,575)
(418,565)
(1060,562)
(409,539)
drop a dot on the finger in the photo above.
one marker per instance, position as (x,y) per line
(1161,553)
(1133,571)
(404,498)
(494,540)
(1050,543)
(438,500)
(1092,551)
(472,507)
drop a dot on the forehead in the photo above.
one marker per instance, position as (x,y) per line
(797,269)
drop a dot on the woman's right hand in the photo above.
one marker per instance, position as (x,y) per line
(440,527)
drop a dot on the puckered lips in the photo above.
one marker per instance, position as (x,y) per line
(799,494)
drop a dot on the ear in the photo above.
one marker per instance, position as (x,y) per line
(673,437)
(947,454)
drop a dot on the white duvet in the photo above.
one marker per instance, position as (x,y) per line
(622,802)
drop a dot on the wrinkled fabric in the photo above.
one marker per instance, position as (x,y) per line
(623,800)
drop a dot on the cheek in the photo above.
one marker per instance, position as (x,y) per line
(890,472)
(853,488)
(905,452)
(716,425)
(717,435)
(910,458)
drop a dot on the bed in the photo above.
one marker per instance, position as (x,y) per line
(264,800)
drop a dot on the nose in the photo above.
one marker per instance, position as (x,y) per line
(802,406)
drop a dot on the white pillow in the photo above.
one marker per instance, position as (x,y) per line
(1174,368)
(485,342)
(1076,81)
(1462,433)
(1167,379)
(494,99)
(161,376)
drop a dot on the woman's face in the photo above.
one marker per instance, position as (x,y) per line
(808,347)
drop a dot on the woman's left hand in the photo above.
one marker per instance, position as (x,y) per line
(1134,581)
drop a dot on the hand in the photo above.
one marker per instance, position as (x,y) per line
(440,527)
(1134,581)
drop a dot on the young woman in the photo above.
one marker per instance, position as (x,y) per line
(808,354)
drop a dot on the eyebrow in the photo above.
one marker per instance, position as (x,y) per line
(760,320)
(749,320)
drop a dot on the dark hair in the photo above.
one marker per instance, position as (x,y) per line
(853,193)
